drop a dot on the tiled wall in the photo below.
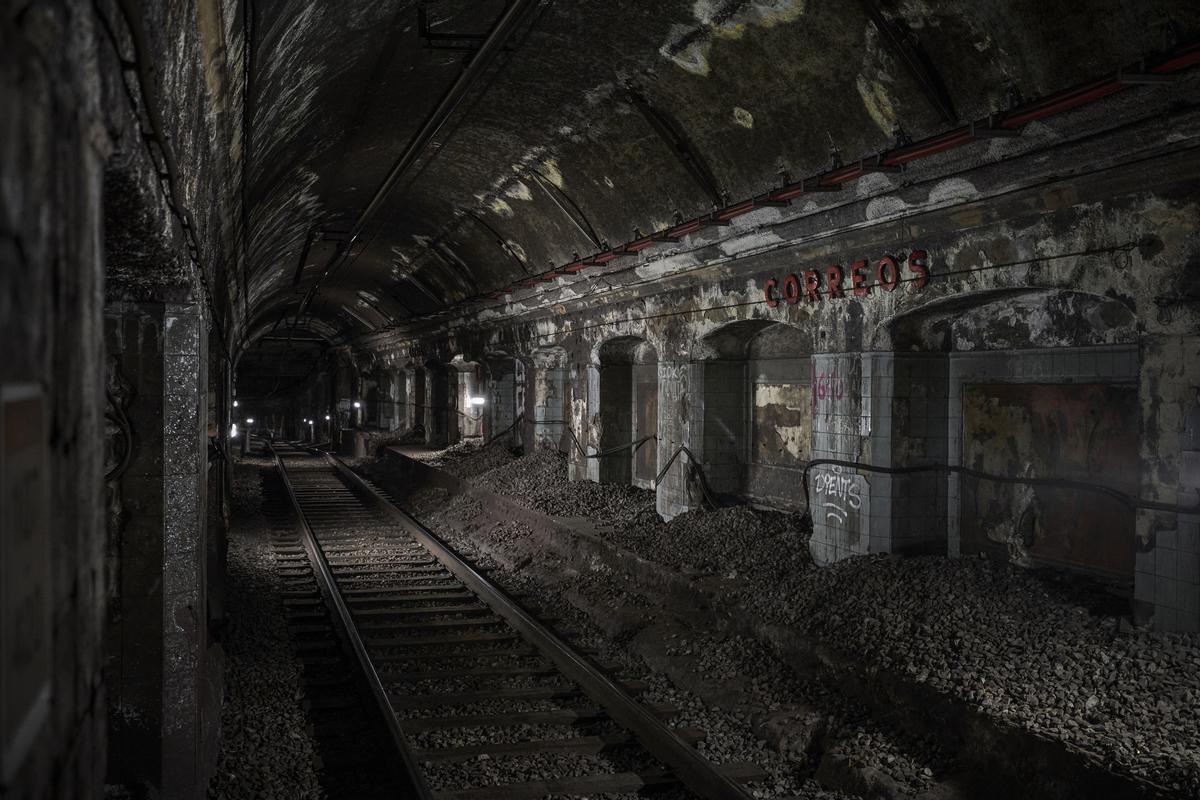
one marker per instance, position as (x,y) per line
(616,419)
(726,425)
(840,497)
(918,426)
(502,398)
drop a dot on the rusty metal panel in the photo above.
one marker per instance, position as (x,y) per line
(1084,432)
(645,398)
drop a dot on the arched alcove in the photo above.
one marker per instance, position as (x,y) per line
(757,399)
(1025,382)
(628,409)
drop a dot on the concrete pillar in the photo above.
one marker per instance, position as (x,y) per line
(585,421)
(1167,544)
(680,422)
(840,498)
(162,678)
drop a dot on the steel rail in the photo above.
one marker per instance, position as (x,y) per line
(692,769)
(412,777)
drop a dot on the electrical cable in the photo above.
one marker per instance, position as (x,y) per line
(1062,483)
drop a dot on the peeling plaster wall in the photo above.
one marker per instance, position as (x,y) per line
(1083,241)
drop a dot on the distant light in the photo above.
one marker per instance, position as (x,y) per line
(235,403)
(357,404)
(326,416)
(478,401)
(310,423)
(250,420)
(233,431)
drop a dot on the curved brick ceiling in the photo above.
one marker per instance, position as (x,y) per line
(337,90)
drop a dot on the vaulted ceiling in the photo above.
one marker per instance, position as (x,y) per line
(600,116)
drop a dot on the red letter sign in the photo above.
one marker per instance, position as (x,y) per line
(770,285)
(920,267)
(858,278)
(887,273)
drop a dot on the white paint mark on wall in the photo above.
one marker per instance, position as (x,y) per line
(688,45)
(838,494)
(952,189)
(550,171)
(516,248)
(878,102)
(743,117)
(886,206)
(750,241)
(518,191)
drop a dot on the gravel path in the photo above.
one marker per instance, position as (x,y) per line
(267,751)
(1003,639)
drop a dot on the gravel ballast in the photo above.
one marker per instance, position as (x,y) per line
(1000,639)
(267,750)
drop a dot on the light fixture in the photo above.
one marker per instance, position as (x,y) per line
(357,404)
(327,417)
(250,420)
(310,423)
(478,401)
(235,403)
(233,431)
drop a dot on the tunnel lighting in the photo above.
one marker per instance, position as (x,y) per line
(310,423)
(250,420)
(477,401)
(326,417)
(357,404)
(233,431)
(235,403)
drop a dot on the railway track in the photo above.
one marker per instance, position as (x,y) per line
(473,696)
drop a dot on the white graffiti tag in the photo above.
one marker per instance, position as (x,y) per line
(839,494)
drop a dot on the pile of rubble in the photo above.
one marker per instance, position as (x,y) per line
(1000,638)
(539,480)
(470,457)
(1017,648)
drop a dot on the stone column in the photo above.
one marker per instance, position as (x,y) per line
(840,498)
(164,709)
(680,422)
(1167,544)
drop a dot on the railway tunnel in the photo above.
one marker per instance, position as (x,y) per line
(577,398)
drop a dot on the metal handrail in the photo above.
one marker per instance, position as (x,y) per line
(416,786)
(692,769)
